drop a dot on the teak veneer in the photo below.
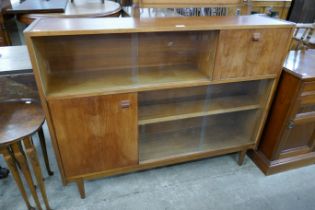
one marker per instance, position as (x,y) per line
(127,94)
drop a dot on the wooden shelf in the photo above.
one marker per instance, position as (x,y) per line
(189,141)
(181,110)
(119,80)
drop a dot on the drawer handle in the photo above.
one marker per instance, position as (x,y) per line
(291,125)
(125,104)
(256,36)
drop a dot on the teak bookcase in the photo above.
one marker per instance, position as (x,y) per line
(124,94)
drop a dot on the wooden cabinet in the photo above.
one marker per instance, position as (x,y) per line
(289,137)
(127,94)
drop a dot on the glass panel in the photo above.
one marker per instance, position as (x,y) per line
(174,104)
(182,137)
(175,122)
(99,63)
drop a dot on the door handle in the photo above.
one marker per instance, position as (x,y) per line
(256,36)
(125,104)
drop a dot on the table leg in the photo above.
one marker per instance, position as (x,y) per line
(44,150)
(15,173)
(31,153)
(20,156)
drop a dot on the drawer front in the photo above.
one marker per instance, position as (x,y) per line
(307,96)
(249,53)
(308,86)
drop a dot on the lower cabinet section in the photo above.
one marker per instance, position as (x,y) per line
(96,133)
(123,132)
(176,122)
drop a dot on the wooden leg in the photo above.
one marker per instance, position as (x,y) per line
(15,173)
(44,150)
(20,156)
(241,158)
(80,184)
(31,152)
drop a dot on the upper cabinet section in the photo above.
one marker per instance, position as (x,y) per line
(250,53)
(84,57)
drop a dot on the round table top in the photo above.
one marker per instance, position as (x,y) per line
(79,9)
(19,118)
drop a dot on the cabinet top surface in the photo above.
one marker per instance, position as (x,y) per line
(301,64)
(76,26)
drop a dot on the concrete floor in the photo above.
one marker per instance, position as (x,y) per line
(215,183)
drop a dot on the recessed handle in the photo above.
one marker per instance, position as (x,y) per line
(256,36)
(125,104)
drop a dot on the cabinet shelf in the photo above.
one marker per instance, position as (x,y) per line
(118,80)
(182,110)
(189,141)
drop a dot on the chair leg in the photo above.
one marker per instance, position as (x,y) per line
(20,157)
(44,150)
(16,176)
(80,185)
(31,152)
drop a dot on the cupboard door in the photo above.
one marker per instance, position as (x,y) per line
(96,133)
(247,53)
(299,137)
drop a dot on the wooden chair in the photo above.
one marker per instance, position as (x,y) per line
(303,37)
(20,119)
(194,7)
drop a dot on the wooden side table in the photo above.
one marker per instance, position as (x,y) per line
(19,120)
(288,140)
(78,9)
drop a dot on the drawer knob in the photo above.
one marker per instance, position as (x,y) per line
(125,104)
(291,125)
(256,36)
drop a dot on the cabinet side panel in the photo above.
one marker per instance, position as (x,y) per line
(96,133)
(279,114)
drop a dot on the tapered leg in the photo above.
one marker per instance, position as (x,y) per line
(31,152)
(15,173)
(20,156)
(242,155)
(44,149)
(80,184)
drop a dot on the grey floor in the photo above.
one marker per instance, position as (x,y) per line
(215,183)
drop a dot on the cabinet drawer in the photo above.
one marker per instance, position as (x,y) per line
(308,86)
(248,53)
(308,97)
